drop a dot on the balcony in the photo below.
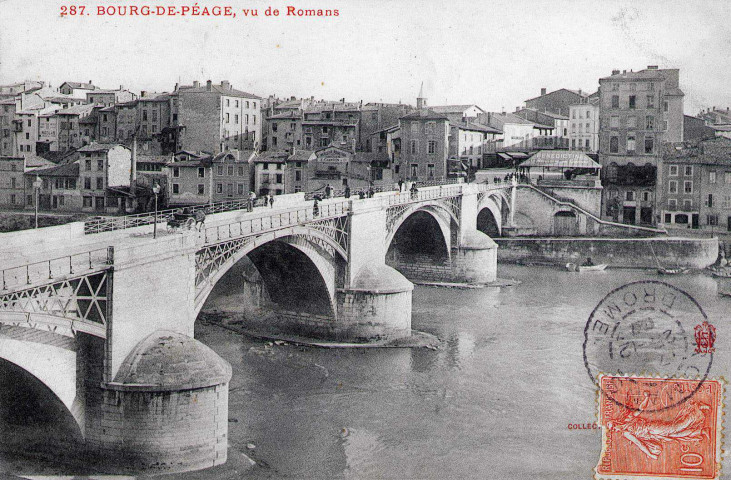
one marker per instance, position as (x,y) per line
(546,141)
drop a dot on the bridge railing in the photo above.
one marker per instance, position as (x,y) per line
(275,221)
(428,193)
(46,271)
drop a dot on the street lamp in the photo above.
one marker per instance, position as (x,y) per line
(156,190)
(37,189)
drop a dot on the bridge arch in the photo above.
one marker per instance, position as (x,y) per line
(445,218)
(51,360)
(285,261)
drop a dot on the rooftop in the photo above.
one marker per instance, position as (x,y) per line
(452,108)
(576,92)
(65,170)
(219,89)
(301,155)
(424,114)
(99,147)
(560,159)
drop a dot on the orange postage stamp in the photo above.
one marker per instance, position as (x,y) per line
(653,429)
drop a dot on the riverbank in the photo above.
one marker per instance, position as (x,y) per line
(239,324)
(668,252)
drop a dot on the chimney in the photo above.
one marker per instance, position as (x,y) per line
(133,168)
(652,67)
(225,85)
(89,82)
(342,100)
(579,91)
(209,85)
(615,72)
(121,87)
(196,84)
(143,94)
(176,87)
(543,91)
(624,71)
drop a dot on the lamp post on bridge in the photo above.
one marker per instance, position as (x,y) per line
(156,190)
(37,191)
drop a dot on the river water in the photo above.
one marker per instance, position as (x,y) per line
(494,401)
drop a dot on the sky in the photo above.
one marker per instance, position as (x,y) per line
(495,54)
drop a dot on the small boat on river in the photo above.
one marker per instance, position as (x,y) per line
(572,267)
(671,271)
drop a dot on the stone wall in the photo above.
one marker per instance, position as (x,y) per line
(617,252)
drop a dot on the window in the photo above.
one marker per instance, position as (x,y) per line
(631,121)
(87,201)
(176,188)
(279,178)
(241,171)
(689,170)
(228,102)
(727,178)
(27,136)
(712,177)
(673,170)
(12,198)
(324,129)
(614,145)
(323,142)
(254,116)
(236,119)
(236,103)
(688,186)
(100,165)
(587,143)
(631,144)
(230,170)
(645,196)
(649,144)
(227,118)
(651,101)
(274,124)
(433,146)
(615,101)
(87,183)
(649,122)
(668,218)
(201,189)
(29,122)
(673,186)
(665,125)
(100,183)
(201,172)
(614,121)
(229,189)
(431,128)
(629,196)
(87,165)
(573,143)
(430,170)
(413,145)
(633,87)
(673,204)
(665,106)
(687,204)
(633,101)
(239,188)
(615,87)
(712,219)
(297,175)
(414,128)
(573,114)
(219,188)
(709,200)
(414,170)
(176,172)
(220,170)
(247,104)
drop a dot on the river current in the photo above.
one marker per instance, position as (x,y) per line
(494,401)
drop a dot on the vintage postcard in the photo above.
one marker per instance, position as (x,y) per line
(364,239)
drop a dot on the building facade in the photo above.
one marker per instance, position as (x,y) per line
(425,146)
(638,113)
(584,126)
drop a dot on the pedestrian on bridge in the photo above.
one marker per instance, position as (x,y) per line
(315,208)
(271,201)
(252,199)
(400,185)
(414,191)
(347,191)
(328,191)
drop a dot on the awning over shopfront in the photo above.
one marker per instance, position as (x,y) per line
(560,159)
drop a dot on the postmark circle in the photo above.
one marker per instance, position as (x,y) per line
(646,328)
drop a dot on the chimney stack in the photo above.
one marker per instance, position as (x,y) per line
(652,67)
(209,85)
(543,91)
(196,84)
(615,72)
(121,87)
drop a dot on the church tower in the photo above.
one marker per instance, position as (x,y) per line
(421,100)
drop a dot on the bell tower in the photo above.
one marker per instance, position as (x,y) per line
(421,100)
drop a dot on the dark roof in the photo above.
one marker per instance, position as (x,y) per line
(301,155)
(86,86)
(57,157)
(272,156)
(424,114)
(370,157)
(716,151)
(99,147)
(476,127)
(160,159)
(221,91)
(286,115)
(575,92)
(66,170)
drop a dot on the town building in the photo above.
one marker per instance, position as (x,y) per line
(285,131)
(14,89)
(105,175)
(696,188)
(425,146)
(72,131)
(297,171)
(557,101)
(466,143)
(12,183)
(8,127)
(584,125)
(638,113)
(214,118)
(695,129)
(107,98)
(559,131)
(59,187)
(331,123)
(374,117)
(269,172)
(199,179)
(518,133)
(76,89)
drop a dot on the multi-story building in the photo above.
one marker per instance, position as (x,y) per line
(331,123)
(269,172)
(214,118)
(107,98)
(76,89)
(559,136)
(285,131)
(105,170)
(71,132)
(59,189)
(638,113)
(518,133)
(557,101)
(12,183)
(695,129)
(374,117)
(466,143)
(198,179)
(696,188)
(584,125)
(297,171)
(425,146)
(8,127)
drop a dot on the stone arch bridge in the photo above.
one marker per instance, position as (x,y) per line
(106,323)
